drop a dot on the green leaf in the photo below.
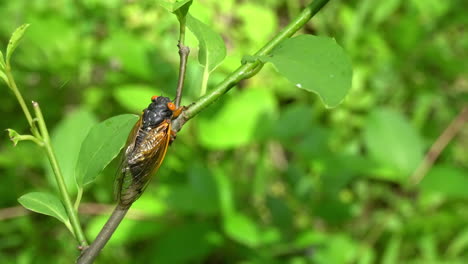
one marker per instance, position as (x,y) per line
(134,97)
(451,182)
(75,126)
(181,9)
(175,6)
(102,144)
(316,64)
(14,136)
(393,142)
(2,61)
(14,41)
(44,203)
(3,76)
(231,126)
(242,229)
(212,50)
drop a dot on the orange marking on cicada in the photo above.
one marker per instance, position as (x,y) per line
(154,97)
(171,106)
(177,112)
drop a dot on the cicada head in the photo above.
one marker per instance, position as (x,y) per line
(160,109)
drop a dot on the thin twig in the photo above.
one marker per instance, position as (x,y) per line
(89,254)
(449,133)
(184,51)
(12,212)
(71,212)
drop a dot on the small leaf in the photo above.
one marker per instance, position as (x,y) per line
(14,136)
(316,64)
(393,142)
(212,50)
(14,41)
(2,61)
(44,203)
(102,144)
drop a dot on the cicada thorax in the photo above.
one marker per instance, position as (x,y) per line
(145,151)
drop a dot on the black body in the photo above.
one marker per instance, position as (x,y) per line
(156,112)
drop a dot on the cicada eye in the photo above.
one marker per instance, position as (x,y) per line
(171,106)
(154,97)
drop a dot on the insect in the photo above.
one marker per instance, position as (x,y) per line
(146,148)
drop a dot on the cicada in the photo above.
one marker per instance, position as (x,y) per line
(145,149)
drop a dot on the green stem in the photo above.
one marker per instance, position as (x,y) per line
(32,138)
(204,85)
(19,97)
(72,214)
(245,71)
(78,198)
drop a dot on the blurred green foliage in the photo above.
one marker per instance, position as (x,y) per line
(267,174)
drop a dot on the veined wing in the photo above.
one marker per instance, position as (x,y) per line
(142,161)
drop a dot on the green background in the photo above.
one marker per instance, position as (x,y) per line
(267,174)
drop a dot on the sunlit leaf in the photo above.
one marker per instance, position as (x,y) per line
(315,64)
(44,203)
(212,50)
(102,144)
(14,41)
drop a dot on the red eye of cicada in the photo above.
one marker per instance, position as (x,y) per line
(171,106)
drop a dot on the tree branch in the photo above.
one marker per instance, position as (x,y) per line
(245,71)
(184,51)
(449,133)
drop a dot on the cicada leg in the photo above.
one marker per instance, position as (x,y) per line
(173,136)
(177,112)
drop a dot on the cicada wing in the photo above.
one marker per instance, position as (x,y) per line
(144,160)
(128,148)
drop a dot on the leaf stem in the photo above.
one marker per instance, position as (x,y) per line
(79,194)
(245,71)
(449,133)
(12,84)
(184,51)
(104,235)
(72,214)
(205,77)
